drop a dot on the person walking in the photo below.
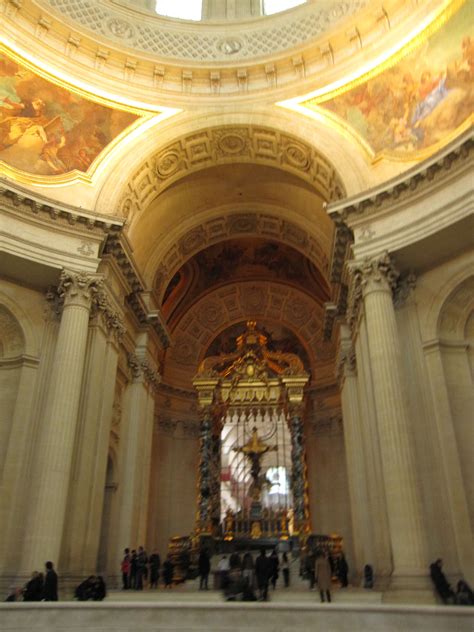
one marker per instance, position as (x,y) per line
(50,586)
(323,576)
(274,567)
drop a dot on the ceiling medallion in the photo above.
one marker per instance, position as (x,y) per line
(229,46)
(231,143)
(120,28)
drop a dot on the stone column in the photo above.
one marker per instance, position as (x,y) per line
(448,459)
(54,451)
(204,518)
(95,417)
(135,448)
(380,551)
(299,475)
(378,277)
(353,442)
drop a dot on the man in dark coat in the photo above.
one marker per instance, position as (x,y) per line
(155,563)
(342,570)
(204,567)
(33,590)
(262,574)
(50,587)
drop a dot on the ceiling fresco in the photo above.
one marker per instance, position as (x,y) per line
(48,130)
(279,338)
(418,104)
(242,260)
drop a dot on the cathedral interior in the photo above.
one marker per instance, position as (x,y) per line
(236,283)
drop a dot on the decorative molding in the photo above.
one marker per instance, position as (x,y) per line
(116,247)
(404,186)
(101,304)
(223,145)
(143,369)
(17,198)
(78,288)
(404,289)
(151,35)
(178,392)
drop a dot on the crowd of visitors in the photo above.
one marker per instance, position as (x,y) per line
(138,570)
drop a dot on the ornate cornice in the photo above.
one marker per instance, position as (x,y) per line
(419,178)
(117,247)
(18,198)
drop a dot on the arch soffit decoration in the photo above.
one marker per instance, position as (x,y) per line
(16,328)
(268,302)
(228,144)
(440,303)
(455,311)
(224,226)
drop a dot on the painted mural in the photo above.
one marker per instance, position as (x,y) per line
(48,130)
(420,101)
(279,339)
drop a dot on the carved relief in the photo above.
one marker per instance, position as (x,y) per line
(211,146)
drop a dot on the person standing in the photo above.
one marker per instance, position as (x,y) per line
(142,561)
(247,569)
(168,572)
(155,564)
(125,568)
(285,567)
(262,574)
(274,567)
(342,571)
(50,586)
(323,576)
(133,570)
(204,567)
(310,562)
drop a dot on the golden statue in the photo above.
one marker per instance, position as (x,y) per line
(254,449)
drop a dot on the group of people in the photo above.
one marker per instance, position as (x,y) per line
(93,588)
(40,587)
(463,596)
(138,569)
(241,575)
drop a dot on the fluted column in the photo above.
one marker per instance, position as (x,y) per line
(135,450)
(353,442)
(299,476)
(58,425)
(378,277)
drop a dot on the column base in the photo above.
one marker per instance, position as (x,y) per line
(410,588)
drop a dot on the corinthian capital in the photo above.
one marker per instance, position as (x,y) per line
(377,272)
(78,288)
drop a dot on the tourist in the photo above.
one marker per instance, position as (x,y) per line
(464,595)
(285,567)
(248,568)
(125,569)
(442,586)
(368,576)
(323,576)
(14,594)
(274,567)
(342,571)
(155,564)
(50,586)
(99,592)
(262,574)
(33,590)
(309,564)
(142,561)
(223,568)
(204,568)
(168,572)
(133,569)
(85,590)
